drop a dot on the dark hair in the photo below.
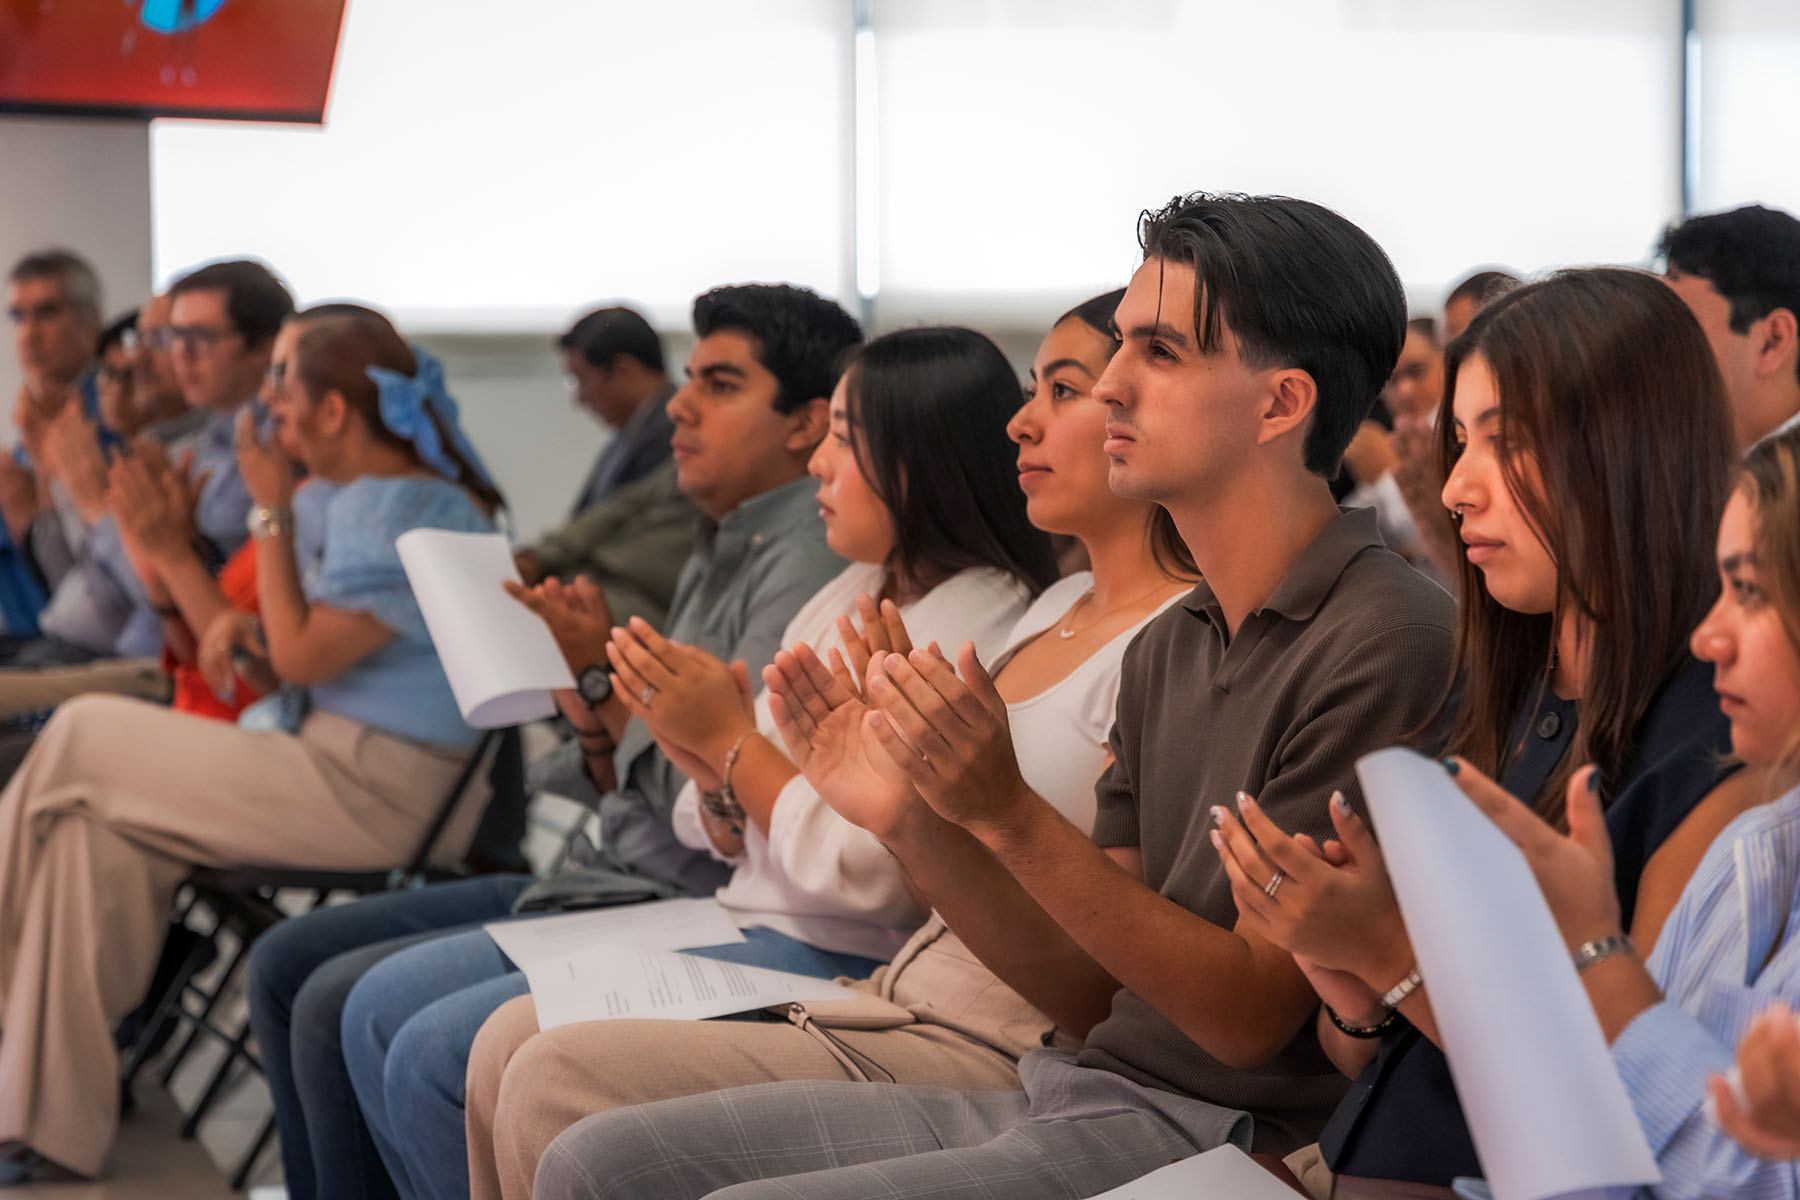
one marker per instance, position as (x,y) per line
(77,277)
(337,345)
(1483,287)
(115,333)
(1170,552)
(255,300)
(1751,255)
(1425,327)
(1299,286)
(800,336)
(928,410)
(1769,478)
(1607,383)
(606,333)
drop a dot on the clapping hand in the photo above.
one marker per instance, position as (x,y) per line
(577,614)
(153,503)
(949,736)
(693,702)
(1573,870)
(883,632)
(1330,906)
(821,717)
(72,452)
(1763,1111)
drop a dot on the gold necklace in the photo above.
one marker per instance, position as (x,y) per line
(1065,628)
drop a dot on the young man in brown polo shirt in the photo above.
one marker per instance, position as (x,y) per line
(1256,334)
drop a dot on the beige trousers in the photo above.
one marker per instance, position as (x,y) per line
(32,689)
(115,803)
(525,1086)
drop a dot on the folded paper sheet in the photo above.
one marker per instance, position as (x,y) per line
(1546,1107)
(606,983)
(1224,1173)
(500,657)
(656,925)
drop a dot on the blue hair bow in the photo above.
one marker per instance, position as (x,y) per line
(407,406)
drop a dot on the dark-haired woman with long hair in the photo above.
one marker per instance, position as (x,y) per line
(936,1014)
(1588,442)
(342,768)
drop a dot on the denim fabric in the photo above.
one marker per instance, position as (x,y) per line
(406,1040)
(300,973)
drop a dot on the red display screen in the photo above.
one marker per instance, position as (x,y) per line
(254,60)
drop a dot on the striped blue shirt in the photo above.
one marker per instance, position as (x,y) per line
(1721,959)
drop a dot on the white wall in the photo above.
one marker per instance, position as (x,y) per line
(84,185)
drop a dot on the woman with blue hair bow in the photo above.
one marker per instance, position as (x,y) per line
(342,768)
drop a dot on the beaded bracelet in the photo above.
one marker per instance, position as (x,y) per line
(1362,1031)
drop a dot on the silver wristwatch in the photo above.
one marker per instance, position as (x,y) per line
(265,522)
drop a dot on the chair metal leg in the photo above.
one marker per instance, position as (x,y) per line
(166,1010)
(215,1087)
(205,1014)
(241,1177)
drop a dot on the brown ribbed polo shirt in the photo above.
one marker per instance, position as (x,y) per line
(1349,655)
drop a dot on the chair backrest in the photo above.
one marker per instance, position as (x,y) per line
(413,874)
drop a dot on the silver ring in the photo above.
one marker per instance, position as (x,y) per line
(647,695)
(1274,885)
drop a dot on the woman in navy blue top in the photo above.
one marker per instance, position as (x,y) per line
(1588,442)
(342,768)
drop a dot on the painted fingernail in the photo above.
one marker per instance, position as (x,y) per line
(1219,815)
(1217,841)
(1452,766)
(1340,802)
(1244,801)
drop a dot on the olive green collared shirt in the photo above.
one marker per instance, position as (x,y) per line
(1349,655)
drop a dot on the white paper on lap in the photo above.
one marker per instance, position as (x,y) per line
(1547,1110)
(607,983)
(500,658)
(653,925)
(1222,1173)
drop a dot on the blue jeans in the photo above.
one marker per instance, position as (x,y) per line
(410,1021)
(300,973)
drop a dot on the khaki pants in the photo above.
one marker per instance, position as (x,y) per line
(109,811)
(26,690)
(525,1087)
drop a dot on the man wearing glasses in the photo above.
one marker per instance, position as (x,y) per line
(102,628)
(53,303)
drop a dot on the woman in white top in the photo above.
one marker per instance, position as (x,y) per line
(934,1014)
(914,492)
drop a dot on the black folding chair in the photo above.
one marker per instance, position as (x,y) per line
(243,901)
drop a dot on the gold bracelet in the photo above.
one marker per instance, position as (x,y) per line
(731,756)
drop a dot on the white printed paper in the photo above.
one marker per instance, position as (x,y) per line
(1547,1110)
(499,655)
(1222,1173)
(610,983)
(653,925)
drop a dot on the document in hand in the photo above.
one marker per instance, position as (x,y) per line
(1547,1110)
(499,655)
(607,983)
(1222,1172)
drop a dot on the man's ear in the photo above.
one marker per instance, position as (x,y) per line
(1779,343)
(808,425)
(1288,405)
